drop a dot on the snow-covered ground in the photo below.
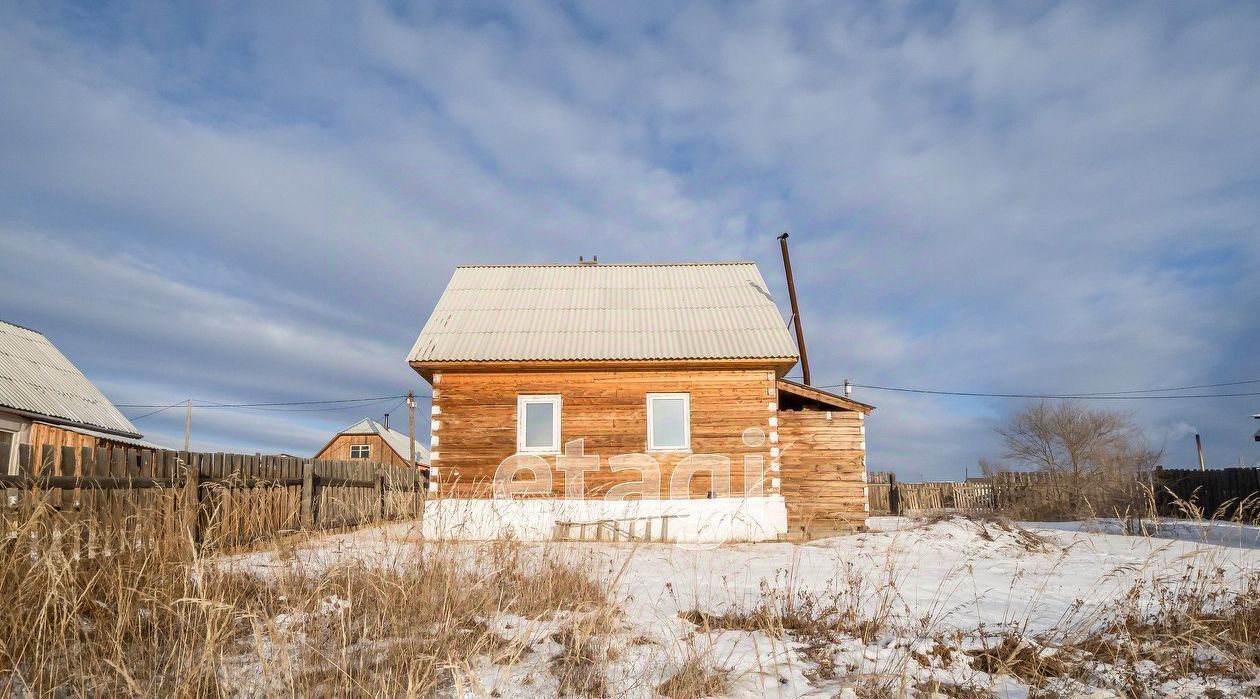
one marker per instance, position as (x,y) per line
(957,578)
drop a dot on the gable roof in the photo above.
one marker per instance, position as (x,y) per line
(395,439)
(823,397)
(37,379)
(605,312)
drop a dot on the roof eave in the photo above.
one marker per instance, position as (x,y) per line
(825,397)
(61,421)
(427,368)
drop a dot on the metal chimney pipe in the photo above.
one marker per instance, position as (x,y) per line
(796,311)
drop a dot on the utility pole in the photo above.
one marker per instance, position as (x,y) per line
(187,424)
(411,432)
(411,426)
(1198,445)
(796,311)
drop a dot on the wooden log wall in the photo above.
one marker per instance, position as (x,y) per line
(477,418)
(381,453)
(212,499)
(823,469)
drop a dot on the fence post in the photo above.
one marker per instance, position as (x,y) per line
(308,494)
(380,493)
(894,495)
(192,497)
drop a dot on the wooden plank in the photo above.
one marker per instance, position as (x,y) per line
(308,494)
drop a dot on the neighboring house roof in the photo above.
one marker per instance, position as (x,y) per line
(824,397)
(395,439)
(605,312)
(37,379)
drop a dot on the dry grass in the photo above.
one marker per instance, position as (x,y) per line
(1163,630)
(151,618)
(586,647)
(698,678)
(849,606)
(147,616)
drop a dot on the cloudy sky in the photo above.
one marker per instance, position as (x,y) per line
(261,203)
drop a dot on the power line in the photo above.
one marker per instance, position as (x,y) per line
(214,404)
(283,406)
(1117,395)
(155,412)
(293,409)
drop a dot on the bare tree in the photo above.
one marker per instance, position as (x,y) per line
(1067,436)
(1092,459)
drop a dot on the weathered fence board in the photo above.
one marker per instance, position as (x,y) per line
(218,499)
(1230,493)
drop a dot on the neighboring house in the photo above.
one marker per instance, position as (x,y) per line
(369,440)
(667,360)
(46,400)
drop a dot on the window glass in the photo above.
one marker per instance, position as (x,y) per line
(539,420)
(668,416)
(6,452)
(538,423)
(360,451)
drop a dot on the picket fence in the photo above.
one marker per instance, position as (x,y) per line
(211,499)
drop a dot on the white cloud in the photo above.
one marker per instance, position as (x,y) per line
(980,199)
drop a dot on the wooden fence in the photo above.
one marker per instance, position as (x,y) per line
(889,496)
(1032,495)
(1229,493)
(211,499)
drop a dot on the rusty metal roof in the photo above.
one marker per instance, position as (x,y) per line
(37,379)
(605,312)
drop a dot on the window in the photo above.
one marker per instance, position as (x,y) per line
(6,452)
(360,451)
(538,424)
(669,421)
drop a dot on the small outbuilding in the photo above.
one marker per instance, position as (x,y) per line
(369,440)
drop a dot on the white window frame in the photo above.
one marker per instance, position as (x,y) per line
(552,399)
(651,438)
(353,447)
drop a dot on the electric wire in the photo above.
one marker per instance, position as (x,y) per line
(284,406)
(1142,394)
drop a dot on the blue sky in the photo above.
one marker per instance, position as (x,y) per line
(261,202)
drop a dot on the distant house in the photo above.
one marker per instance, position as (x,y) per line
(46,401)
(369,440)
(671,361)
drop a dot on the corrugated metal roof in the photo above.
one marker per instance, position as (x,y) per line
(395,439)
(605,312)
(35,377)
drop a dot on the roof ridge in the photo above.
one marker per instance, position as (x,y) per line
(23,327)
(610,264)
